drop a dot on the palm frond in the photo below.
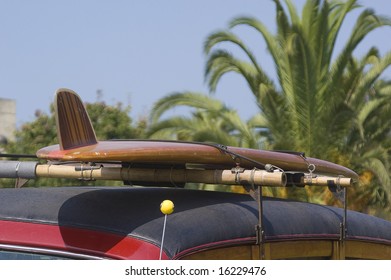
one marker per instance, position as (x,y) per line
(273,44)
(221,62)
(226,36)
(192,99)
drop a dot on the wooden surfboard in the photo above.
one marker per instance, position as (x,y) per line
(77,142)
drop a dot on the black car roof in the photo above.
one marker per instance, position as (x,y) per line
(200,217)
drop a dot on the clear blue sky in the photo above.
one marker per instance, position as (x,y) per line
(135,52)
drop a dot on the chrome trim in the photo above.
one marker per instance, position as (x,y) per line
(49,252)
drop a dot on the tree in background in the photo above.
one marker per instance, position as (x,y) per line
(211,122)
(110,122)
(317,105)
(326,104)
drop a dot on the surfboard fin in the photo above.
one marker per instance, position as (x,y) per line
(74,127)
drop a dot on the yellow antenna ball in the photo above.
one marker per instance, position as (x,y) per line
(167,207)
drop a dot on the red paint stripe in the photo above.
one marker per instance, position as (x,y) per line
(77,240)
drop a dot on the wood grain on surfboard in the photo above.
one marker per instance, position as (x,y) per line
(78,143)
(74,128)
(178,153)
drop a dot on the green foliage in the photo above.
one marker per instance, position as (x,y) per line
(33,135)
(327,104)
(110,122)
(211,122)
(332,109)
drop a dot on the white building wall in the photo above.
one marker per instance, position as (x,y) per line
(7,119)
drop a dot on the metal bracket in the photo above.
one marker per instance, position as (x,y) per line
(343,225)
(259,228)
(90,168)
(237,170)
(256,194)
(20,182)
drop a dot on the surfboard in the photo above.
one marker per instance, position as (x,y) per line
(77,142)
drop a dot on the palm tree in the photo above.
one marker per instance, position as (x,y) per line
(369,143)
(326,104)
(312,86)
(322,103)
(212,121)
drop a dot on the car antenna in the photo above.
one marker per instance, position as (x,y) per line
(167,208)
